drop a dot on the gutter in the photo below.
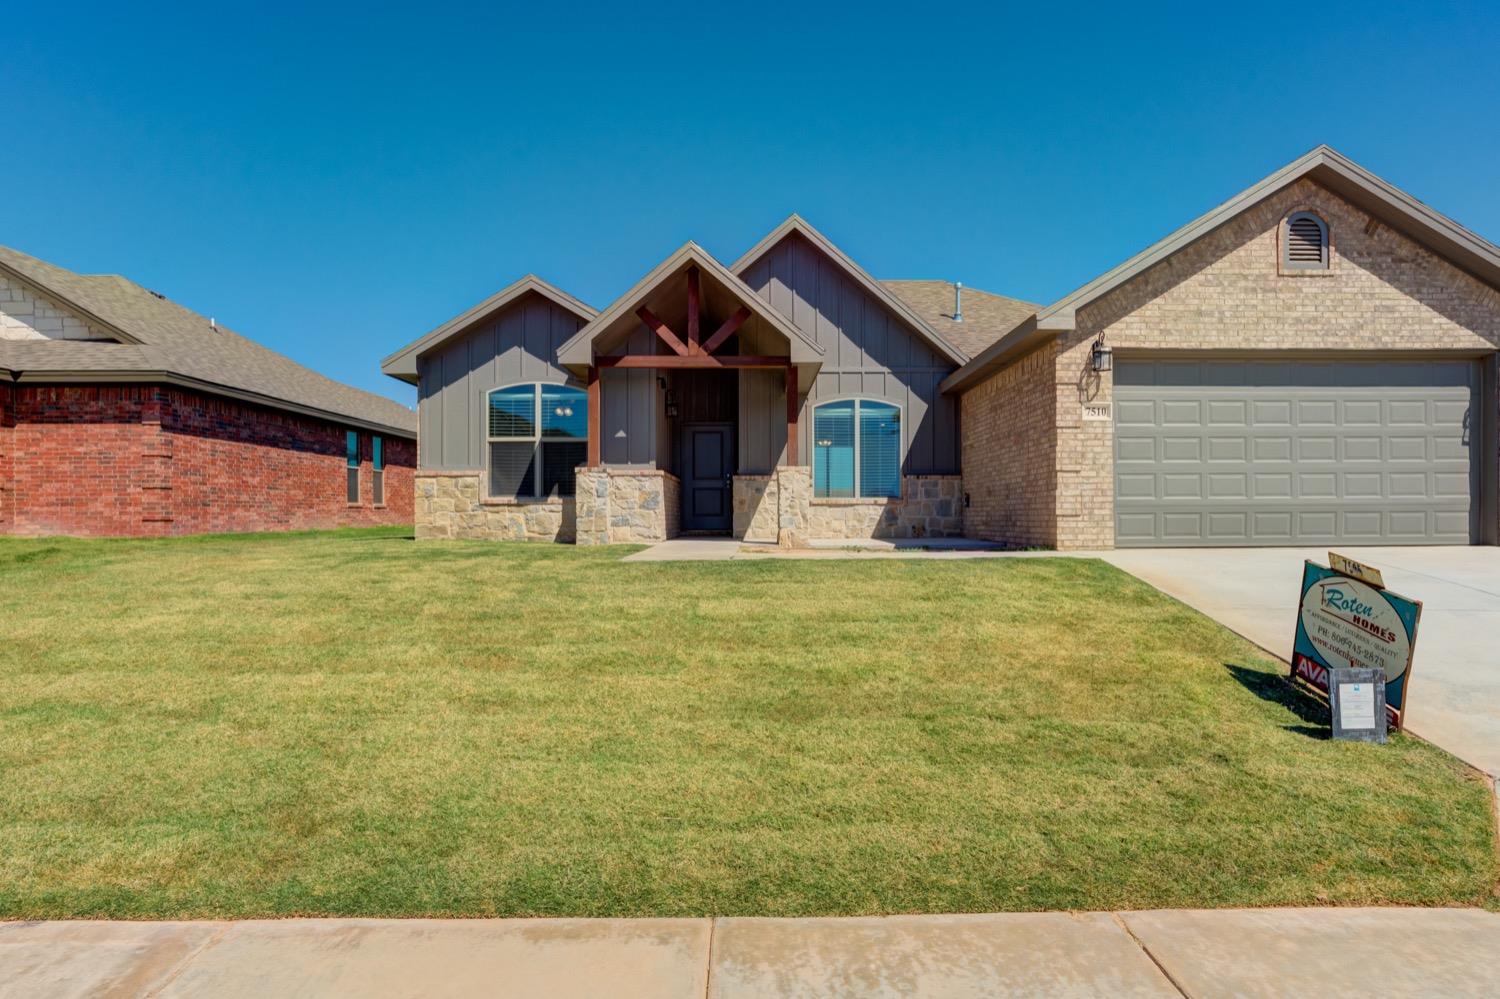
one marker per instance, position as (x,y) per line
(211,388)
(1025,338)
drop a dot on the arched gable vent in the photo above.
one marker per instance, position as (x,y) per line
(1306,242)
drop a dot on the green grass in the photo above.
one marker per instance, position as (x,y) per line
(357,724)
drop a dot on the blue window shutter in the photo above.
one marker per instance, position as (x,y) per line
(879,449)
(833,449)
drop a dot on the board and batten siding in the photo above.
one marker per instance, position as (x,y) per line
(516,345)
(869,352)
(520,344)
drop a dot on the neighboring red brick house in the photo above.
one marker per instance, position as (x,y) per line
(122,413)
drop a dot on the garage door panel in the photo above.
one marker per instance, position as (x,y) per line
(1227,449)
(1272,449)
(1376,452)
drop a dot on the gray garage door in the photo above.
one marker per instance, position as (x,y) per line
(1219,453)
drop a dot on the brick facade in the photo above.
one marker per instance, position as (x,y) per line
(140,460)
(1225,292)
(1010,453)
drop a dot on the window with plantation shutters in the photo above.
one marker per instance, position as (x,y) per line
(856,449)
(1305,246)
(537,436)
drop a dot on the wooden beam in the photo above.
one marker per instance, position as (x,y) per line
(593,384)
(693,302)
(696,361)
(663,331)
(791,414)
(726,331)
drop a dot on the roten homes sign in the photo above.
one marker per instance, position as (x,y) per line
(1344,622)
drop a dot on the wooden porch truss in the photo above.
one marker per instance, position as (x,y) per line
(691,352)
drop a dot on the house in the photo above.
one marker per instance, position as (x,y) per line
(1313,361)
(122,413)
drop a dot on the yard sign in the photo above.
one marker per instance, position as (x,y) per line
(1343,622)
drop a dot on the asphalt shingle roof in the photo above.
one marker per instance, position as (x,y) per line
(987,316)
(178,341)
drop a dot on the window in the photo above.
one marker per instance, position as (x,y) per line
(377,463)
(351,459)
(1305,243)
(856,449)
(538,435)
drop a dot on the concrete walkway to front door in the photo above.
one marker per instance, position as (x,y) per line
(1455,684)
(1169,954)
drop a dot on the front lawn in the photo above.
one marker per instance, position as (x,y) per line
(357,724)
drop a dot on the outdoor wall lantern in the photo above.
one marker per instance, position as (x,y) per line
(1102,356)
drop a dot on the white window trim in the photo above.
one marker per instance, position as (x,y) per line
(537,439)
(858,400)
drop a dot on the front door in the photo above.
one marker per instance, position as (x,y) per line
(708,467)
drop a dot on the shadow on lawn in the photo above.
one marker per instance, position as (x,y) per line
(1277,689)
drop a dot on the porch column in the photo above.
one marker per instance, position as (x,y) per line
(791,414)
(593,416)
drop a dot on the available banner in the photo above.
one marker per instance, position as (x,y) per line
(1344,622)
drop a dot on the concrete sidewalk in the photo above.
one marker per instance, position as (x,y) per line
(1265,952)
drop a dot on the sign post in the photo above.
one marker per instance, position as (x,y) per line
(1345,622)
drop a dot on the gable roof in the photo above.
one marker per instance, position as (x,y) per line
(168,343)
(987,316)
(1338,174)
(403,363)
(884,295)
(1323,165)
(578,350)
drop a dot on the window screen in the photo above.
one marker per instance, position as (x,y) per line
(856,449)
(879,449)
(538,436)
(833,449)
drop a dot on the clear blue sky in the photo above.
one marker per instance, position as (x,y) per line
(334,184)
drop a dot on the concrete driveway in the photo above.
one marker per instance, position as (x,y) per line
(1455,684)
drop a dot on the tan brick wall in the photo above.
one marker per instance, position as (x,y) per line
(1226,292)
(27,315)
(1008,425)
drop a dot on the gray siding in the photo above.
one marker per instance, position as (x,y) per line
(868,352)
(631,421)
(518,344)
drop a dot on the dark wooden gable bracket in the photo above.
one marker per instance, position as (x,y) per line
(691,353)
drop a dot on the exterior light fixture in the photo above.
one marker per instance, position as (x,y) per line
(1102,357)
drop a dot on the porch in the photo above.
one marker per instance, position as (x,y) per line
(696,394)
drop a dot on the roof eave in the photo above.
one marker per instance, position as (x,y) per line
(577,352)
(1337,173)
(1024,338)
(45,375)
(88,315)
(402,364)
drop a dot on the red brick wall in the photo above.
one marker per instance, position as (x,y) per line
(6,423)
(142,460)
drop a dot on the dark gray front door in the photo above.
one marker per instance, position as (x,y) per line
(708,460)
